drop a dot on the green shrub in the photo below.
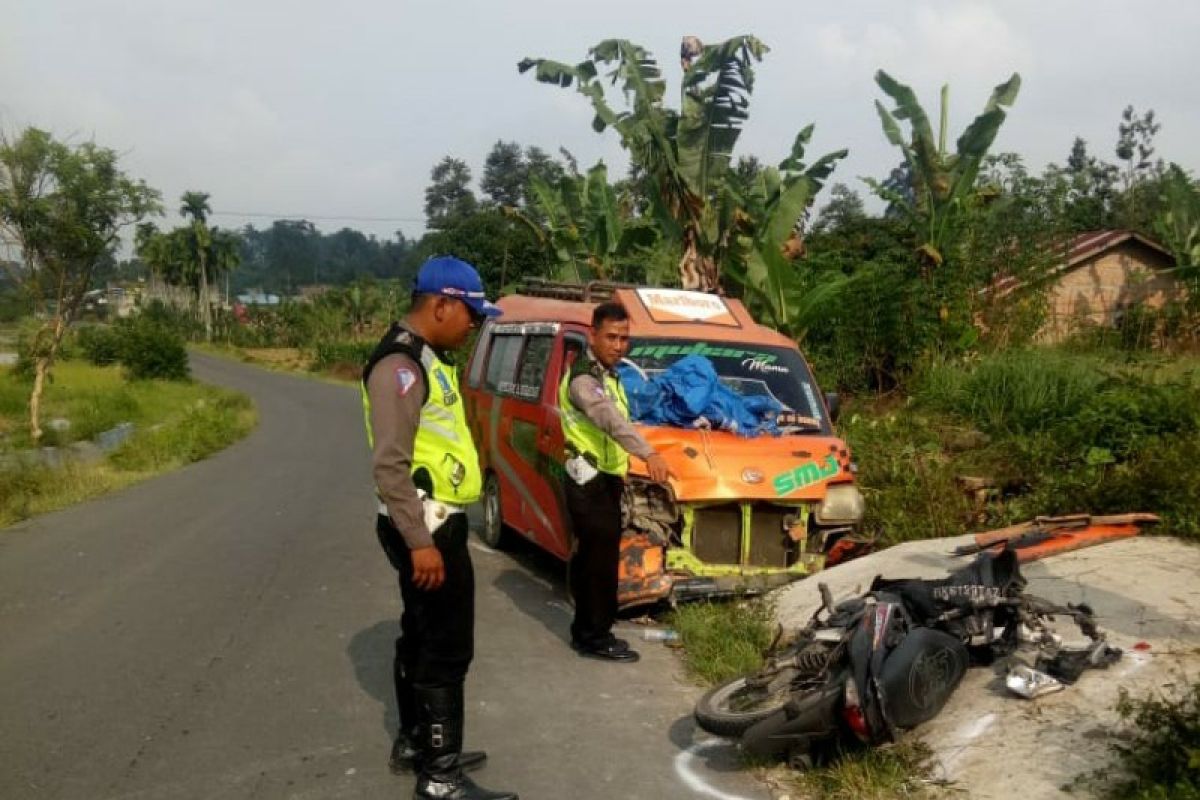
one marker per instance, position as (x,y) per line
(1127,411)
(178,320)
(152,350)
(14,303)
(1159,477)
(100,344)
(1159,756)
(906,478)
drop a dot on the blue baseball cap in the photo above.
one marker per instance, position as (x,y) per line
(454,277)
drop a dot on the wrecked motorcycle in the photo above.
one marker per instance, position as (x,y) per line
(866,668)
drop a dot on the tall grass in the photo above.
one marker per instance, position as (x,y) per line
(1020,391)
(1054,431)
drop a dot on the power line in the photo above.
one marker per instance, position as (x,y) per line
(270,215)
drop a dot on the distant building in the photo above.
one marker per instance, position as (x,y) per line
(257,299)
(109,303)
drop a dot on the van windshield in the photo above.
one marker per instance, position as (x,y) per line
(745,368)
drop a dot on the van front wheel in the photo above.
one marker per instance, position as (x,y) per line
(493,532)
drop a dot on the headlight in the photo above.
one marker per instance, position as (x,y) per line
(843,505)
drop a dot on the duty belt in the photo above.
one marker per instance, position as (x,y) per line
(436,512)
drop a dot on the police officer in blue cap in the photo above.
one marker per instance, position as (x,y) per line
(426,473)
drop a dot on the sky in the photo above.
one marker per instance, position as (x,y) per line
(337,111)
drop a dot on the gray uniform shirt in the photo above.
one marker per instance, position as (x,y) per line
(588,395)
(396,389)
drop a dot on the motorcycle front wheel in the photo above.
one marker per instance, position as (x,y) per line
(735,706)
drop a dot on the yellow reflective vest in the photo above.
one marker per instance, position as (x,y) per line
(581,435)
(443,448)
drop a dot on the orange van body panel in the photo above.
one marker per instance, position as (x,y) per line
(748,467)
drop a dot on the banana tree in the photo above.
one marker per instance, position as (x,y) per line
(943,182)
(584,230)
(768,241)
(685,152)
(1178,224)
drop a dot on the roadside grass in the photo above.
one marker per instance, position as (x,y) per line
(723,639)
(93,399)
(902,770)
(176,423)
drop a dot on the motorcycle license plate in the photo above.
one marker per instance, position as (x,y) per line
(829,634)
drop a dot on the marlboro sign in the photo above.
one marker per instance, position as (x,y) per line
(677,305)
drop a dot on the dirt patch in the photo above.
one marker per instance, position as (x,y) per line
(994,745)
(279,357)
(344,370)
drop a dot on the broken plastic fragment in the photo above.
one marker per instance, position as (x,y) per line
(1142,646)
(1030,683)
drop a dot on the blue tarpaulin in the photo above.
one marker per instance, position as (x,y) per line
(688,393)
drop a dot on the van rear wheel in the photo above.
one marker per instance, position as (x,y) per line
(493,533)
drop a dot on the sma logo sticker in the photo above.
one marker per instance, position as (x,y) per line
(806,474)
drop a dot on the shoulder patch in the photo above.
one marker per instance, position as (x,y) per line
(405,378)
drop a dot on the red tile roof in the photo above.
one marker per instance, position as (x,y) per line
(1086,245)
(1080,248)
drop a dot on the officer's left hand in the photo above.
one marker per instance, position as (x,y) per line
(657,466)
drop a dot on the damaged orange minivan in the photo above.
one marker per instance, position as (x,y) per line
(741,514)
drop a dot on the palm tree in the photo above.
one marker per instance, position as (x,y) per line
(225,253)
(195,207)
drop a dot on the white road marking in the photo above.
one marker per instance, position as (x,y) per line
(962,739)
(683,768)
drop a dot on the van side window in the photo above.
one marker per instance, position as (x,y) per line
(574,346)
(479,357)
(532,375)
(502,363)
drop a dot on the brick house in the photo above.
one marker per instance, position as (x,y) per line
(1104,273)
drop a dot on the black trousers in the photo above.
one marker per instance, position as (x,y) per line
(437,628)
(595,509)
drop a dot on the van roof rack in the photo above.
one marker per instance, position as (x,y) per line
(592,291)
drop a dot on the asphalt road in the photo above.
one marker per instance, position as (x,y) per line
(225,631)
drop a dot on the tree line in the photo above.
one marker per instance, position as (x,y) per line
(871,294)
